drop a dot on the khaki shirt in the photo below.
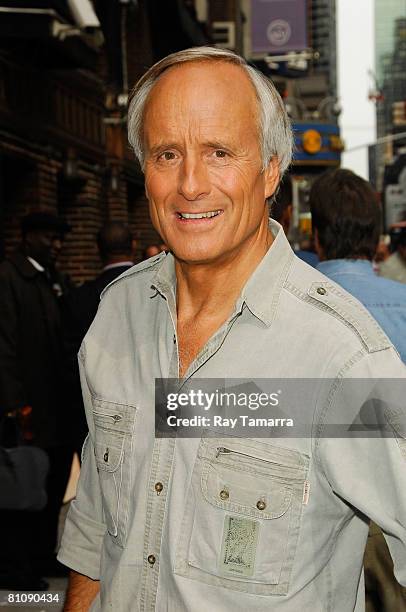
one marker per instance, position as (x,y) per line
(151,520)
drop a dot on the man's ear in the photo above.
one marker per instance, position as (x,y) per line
(271,177)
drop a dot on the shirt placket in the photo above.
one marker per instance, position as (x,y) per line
(215,343)
(160,473)
(161,466)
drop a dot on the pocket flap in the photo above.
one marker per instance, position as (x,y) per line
(108,449)
(247,493)
(250,477)
(113,416)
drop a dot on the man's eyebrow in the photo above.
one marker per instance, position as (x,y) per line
(217,144)
(162,146)
(212,144)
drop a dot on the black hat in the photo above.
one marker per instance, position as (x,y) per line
(42,220)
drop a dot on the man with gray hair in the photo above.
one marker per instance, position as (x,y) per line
(224,523)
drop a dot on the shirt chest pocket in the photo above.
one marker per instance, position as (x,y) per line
(114,425)
(242,520)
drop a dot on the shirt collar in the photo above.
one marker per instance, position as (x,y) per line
(261,292)
(36,265)
(164,280)
(346,266)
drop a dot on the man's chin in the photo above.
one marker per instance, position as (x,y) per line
(198,257)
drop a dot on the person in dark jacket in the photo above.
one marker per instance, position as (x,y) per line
(117,251)
(31,383)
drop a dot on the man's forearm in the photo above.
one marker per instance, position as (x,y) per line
(81,593)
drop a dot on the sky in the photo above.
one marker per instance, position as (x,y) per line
(355,56)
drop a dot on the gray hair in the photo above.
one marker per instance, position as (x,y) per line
(276,139)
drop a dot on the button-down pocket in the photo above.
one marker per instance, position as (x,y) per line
(113,448)
(241,524)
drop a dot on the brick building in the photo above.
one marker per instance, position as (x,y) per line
(65,71)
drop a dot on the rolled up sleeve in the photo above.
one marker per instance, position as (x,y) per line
(84,530)
(369,471)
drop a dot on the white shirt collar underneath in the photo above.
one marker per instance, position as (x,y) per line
(36,265)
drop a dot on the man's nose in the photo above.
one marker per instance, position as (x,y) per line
(194,180)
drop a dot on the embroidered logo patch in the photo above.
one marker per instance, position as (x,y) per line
(239,546)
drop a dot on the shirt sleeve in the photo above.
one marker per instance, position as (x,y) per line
(84,527)
(366,467)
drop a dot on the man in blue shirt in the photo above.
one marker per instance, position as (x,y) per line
(346,219)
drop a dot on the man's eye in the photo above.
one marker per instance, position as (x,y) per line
(220,153)
(166,156)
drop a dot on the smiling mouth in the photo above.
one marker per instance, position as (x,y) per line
(203,215)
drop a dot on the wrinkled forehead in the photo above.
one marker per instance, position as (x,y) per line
(202,91)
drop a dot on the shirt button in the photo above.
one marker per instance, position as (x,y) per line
(158,487)
(224,494)
(261,505)
(151,559)
(174,339)
(321,291)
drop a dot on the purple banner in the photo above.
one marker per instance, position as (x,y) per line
(278,26)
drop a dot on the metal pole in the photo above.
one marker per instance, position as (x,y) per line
(389,138)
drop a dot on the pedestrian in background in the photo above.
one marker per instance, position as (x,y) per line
(31,380)
(394,266)
(153,249)
(281,209)
(346,218)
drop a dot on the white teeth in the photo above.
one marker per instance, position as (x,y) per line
(206,215)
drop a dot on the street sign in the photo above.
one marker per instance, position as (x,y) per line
(278,26)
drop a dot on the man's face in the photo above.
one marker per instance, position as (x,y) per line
(43,246)
(203,164)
